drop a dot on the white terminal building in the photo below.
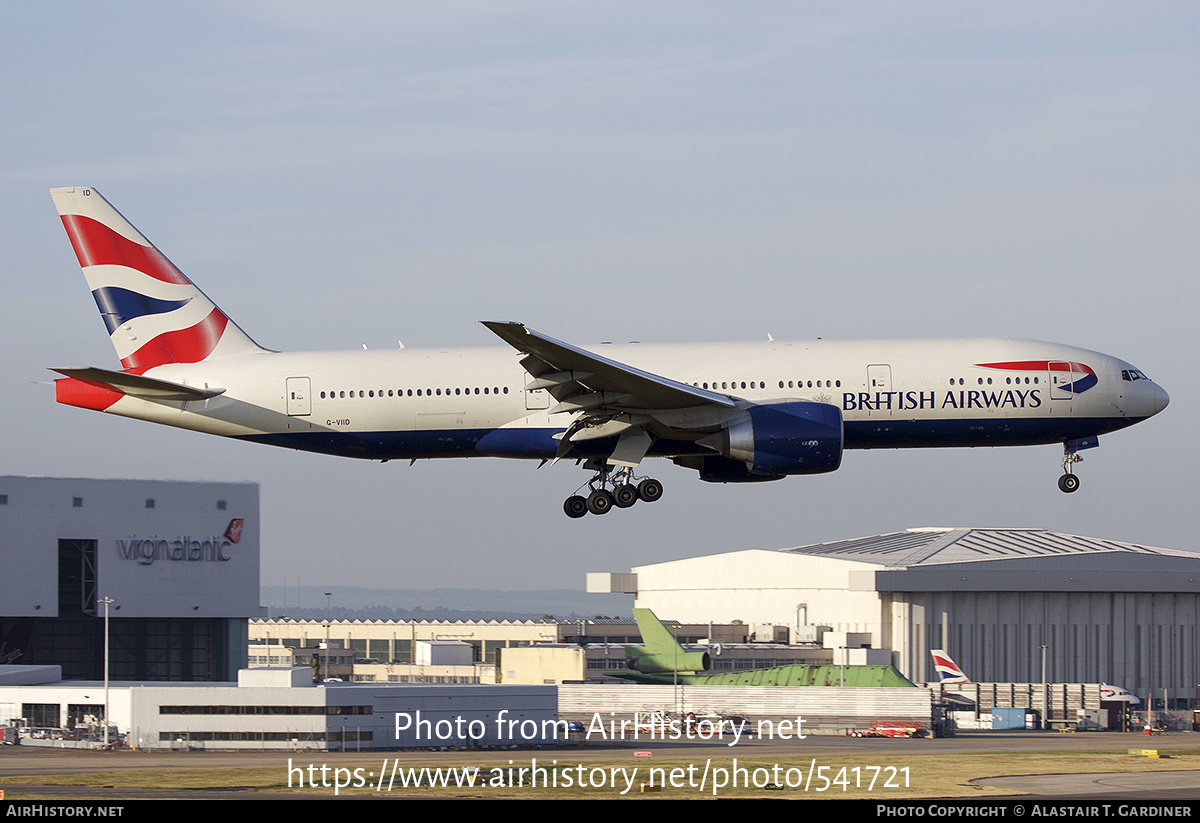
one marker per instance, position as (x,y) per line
(1106,611)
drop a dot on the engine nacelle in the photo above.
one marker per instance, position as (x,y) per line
(666,663)
(775,439)
(716,469)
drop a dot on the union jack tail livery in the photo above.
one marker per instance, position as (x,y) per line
(154,314)
(948,671)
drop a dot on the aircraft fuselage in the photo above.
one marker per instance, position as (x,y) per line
(427,403)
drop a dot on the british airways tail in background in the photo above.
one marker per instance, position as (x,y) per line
(948,671)
(733,412)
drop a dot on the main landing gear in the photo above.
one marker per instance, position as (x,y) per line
(1069,482)
(621,490)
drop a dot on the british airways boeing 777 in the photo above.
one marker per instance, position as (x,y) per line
(734,412)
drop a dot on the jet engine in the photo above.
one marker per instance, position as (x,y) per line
(651,663)
(776,439)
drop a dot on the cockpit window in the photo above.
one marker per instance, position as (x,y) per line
(1133,374)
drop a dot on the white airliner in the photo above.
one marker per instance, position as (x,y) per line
(734,412)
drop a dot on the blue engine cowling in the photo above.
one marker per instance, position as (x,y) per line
(793,437)
(716,469)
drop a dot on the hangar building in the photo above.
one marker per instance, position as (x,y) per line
(1106,611)
(178,561)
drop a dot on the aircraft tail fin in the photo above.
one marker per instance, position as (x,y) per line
(656,638)
(154,314)
(948,671)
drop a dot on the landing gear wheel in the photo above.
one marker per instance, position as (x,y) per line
(650,490)
(599,501)
(1068,483)
(624,496)
(575,506)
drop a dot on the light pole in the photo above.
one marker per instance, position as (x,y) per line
(106,601)
(327,596)
(675,672)
(1045,690)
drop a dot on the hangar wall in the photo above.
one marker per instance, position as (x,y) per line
(1141,641)
(757,586)
(1107,611)
(179,561)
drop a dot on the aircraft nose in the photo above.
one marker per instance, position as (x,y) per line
(1160,399)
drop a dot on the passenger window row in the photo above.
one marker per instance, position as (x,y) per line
(716,386)
(448,392)
(987,381)
(758,384)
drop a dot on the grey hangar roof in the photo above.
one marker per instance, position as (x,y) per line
(1008,559)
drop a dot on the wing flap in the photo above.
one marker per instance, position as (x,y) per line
(556,379)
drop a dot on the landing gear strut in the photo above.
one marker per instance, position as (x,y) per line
(1069,482)
(609,488)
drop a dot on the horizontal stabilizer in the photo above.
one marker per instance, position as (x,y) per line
(137,385)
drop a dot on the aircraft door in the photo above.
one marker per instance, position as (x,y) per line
(537,399)
(298,400)
(879,378)
(1061,381)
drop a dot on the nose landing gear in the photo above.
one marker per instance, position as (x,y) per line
(622,490)
(1069,482)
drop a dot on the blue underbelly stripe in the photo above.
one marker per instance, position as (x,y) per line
(540,443)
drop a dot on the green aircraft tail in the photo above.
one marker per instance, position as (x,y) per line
(661,652)
(663,660)
(656,638)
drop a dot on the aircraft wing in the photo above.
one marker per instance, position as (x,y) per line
(580,380)
(138,385)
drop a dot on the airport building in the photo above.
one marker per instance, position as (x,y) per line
(516,651)
(396,642)
(178,566)
(177,563)
(467,651)
(275,709)
(1104,611)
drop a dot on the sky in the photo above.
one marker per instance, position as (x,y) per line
(367,172)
